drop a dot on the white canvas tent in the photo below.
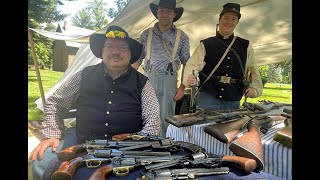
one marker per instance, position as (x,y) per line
(266,23)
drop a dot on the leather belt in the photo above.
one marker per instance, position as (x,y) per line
(225,79)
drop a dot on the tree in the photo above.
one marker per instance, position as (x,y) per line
(120,6)
(264,73)
(286,71)
(83,19)
(92,17)
(43,11)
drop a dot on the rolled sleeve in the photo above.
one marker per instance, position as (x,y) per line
(196,62)
(256,82)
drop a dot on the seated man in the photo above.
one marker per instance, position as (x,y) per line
(110,97)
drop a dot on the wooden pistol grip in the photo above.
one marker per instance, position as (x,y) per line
(66,169)
(71,152)
(101,173)
(243,163)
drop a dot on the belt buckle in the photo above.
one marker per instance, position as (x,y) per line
(225,79)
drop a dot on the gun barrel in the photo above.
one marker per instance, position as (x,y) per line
(107,153)
(177,161)
(192,107)
(125,161)
(185,173)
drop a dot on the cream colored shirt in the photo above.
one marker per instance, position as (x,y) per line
(197,63)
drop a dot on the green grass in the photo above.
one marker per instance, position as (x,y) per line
(271,92)
(49,78)
(274,92)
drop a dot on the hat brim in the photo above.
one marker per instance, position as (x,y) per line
(230,10)
(178,11)
(97,44)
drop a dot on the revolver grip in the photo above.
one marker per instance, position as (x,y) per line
(66,169)
(101,173)
(71,152)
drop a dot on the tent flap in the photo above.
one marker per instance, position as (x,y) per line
(266,23)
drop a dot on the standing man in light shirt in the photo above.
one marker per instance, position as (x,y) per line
(111,98)
(227,85)
(167,49)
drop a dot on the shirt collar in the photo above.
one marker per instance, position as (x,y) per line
(221,37)
(105,71)
(157,30)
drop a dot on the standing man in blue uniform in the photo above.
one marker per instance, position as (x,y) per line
(227,85)
(167,49)
(110,97)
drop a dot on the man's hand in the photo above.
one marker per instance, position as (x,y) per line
(180,93)
(192,80)
(42,146)
(249,92)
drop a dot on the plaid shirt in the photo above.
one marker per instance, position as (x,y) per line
(160,59)
(65,97)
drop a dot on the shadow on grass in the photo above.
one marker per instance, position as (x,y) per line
(278,88)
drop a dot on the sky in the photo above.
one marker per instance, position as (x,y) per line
(72,7)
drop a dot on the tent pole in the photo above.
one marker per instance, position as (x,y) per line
(35,61)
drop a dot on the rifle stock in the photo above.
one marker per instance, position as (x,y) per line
(242,163)
(284,135)
(249,145)
(226,132)
(66,169)
(101,173)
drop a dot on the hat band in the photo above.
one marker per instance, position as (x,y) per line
(114,34)
(167,5)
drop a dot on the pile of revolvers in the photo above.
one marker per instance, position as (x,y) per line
(156,154)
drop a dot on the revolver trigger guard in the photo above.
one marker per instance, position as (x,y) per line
(90,164)
(122,171)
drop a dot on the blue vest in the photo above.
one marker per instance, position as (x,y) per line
(228,67)
(107,107)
